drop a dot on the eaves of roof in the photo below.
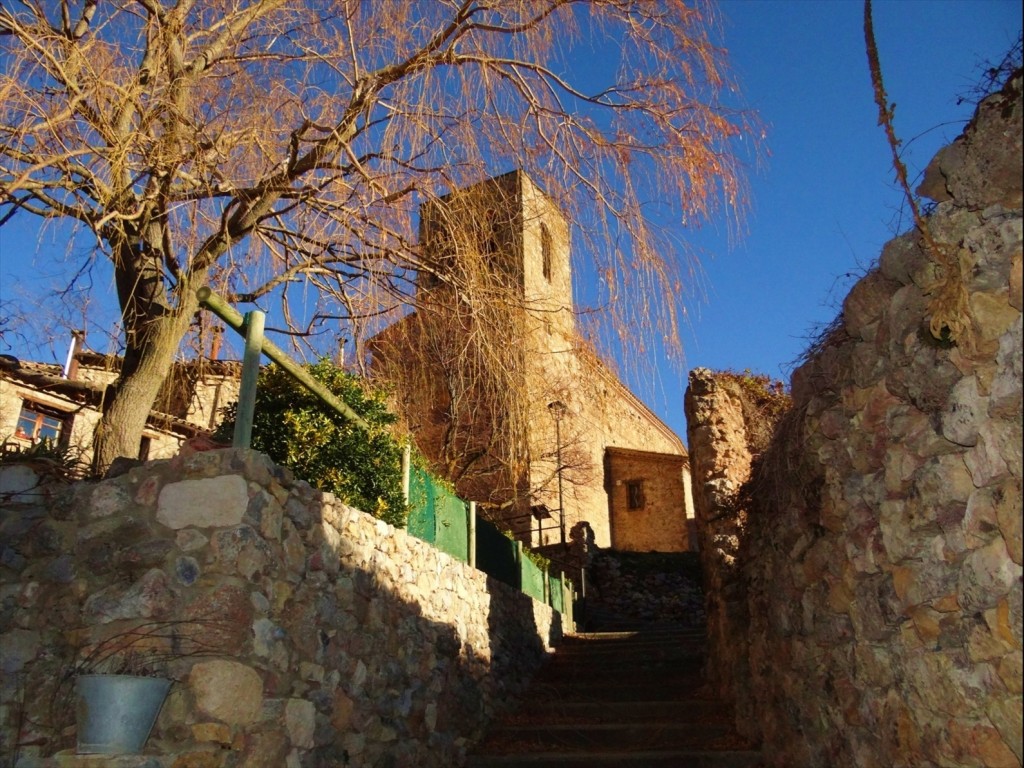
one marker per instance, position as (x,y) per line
(590,358)
(44,377)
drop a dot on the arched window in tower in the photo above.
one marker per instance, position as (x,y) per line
(491,244)
(545,251)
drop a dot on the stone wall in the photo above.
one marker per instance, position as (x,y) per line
(720,457)
(881,561)
(641,590)
(301,632)
(657,523)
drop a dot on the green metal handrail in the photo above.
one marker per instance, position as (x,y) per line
(251,328)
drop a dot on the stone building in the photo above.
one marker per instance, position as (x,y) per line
(40,401)
(591,450)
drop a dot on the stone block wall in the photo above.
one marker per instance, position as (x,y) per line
(658,522)
(638,590)
(721,457)
(299,631)
(881,561)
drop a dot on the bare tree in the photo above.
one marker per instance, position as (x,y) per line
(257,145)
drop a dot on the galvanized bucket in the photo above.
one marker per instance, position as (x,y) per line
(115,713)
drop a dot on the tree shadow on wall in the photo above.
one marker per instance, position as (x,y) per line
(411,692)
(353,669)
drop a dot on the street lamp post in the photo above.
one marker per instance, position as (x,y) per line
(558,409)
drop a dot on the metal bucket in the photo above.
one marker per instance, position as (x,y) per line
(115,713)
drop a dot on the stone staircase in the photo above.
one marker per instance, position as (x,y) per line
(628,699)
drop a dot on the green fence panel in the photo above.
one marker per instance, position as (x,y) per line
(496,553)
(451,530)
(555,590)
(532,579)
(422,523)
(439,517)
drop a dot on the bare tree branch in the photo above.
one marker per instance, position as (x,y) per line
(263,143)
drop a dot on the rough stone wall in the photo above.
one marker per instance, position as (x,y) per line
(882,559)
(211,394)
(634,591)
(328,638)
(659,523)
(720,460)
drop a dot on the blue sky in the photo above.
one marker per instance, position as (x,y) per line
(823,205)
(826,201)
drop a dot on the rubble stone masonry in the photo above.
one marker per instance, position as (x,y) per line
(875,618)
(299,631)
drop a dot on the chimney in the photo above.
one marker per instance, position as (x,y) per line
(70,371)
(217,332)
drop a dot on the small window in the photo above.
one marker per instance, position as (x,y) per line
(491,242)
(635,494)
(545,251)
(37,424)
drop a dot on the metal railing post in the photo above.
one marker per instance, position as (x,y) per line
(472,533)
(254,324)
(519,563)
(227,313)
(406,471)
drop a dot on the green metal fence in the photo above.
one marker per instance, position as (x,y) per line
(532,580)
(451,521)
(555,593)
(441,518)
(437,515)
(496,554)
(421,523)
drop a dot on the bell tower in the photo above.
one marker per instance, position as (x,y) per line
(503,232)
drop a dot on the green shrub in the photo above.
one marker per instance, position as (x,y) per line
(297,430)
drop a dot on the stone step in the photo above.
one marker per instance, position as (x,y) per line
(638,635)
(627,699)
(631,654)
(658,711)
(680,689)
(68,759)
(611,687)
(631,646)
(665,659)
(615,737)
(683,758)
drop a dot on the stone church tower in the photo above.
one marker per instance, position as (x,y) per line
(513,234)
(496,259)
(493,339)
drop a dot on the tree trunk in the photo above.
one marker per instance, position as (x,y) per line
(153,332)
